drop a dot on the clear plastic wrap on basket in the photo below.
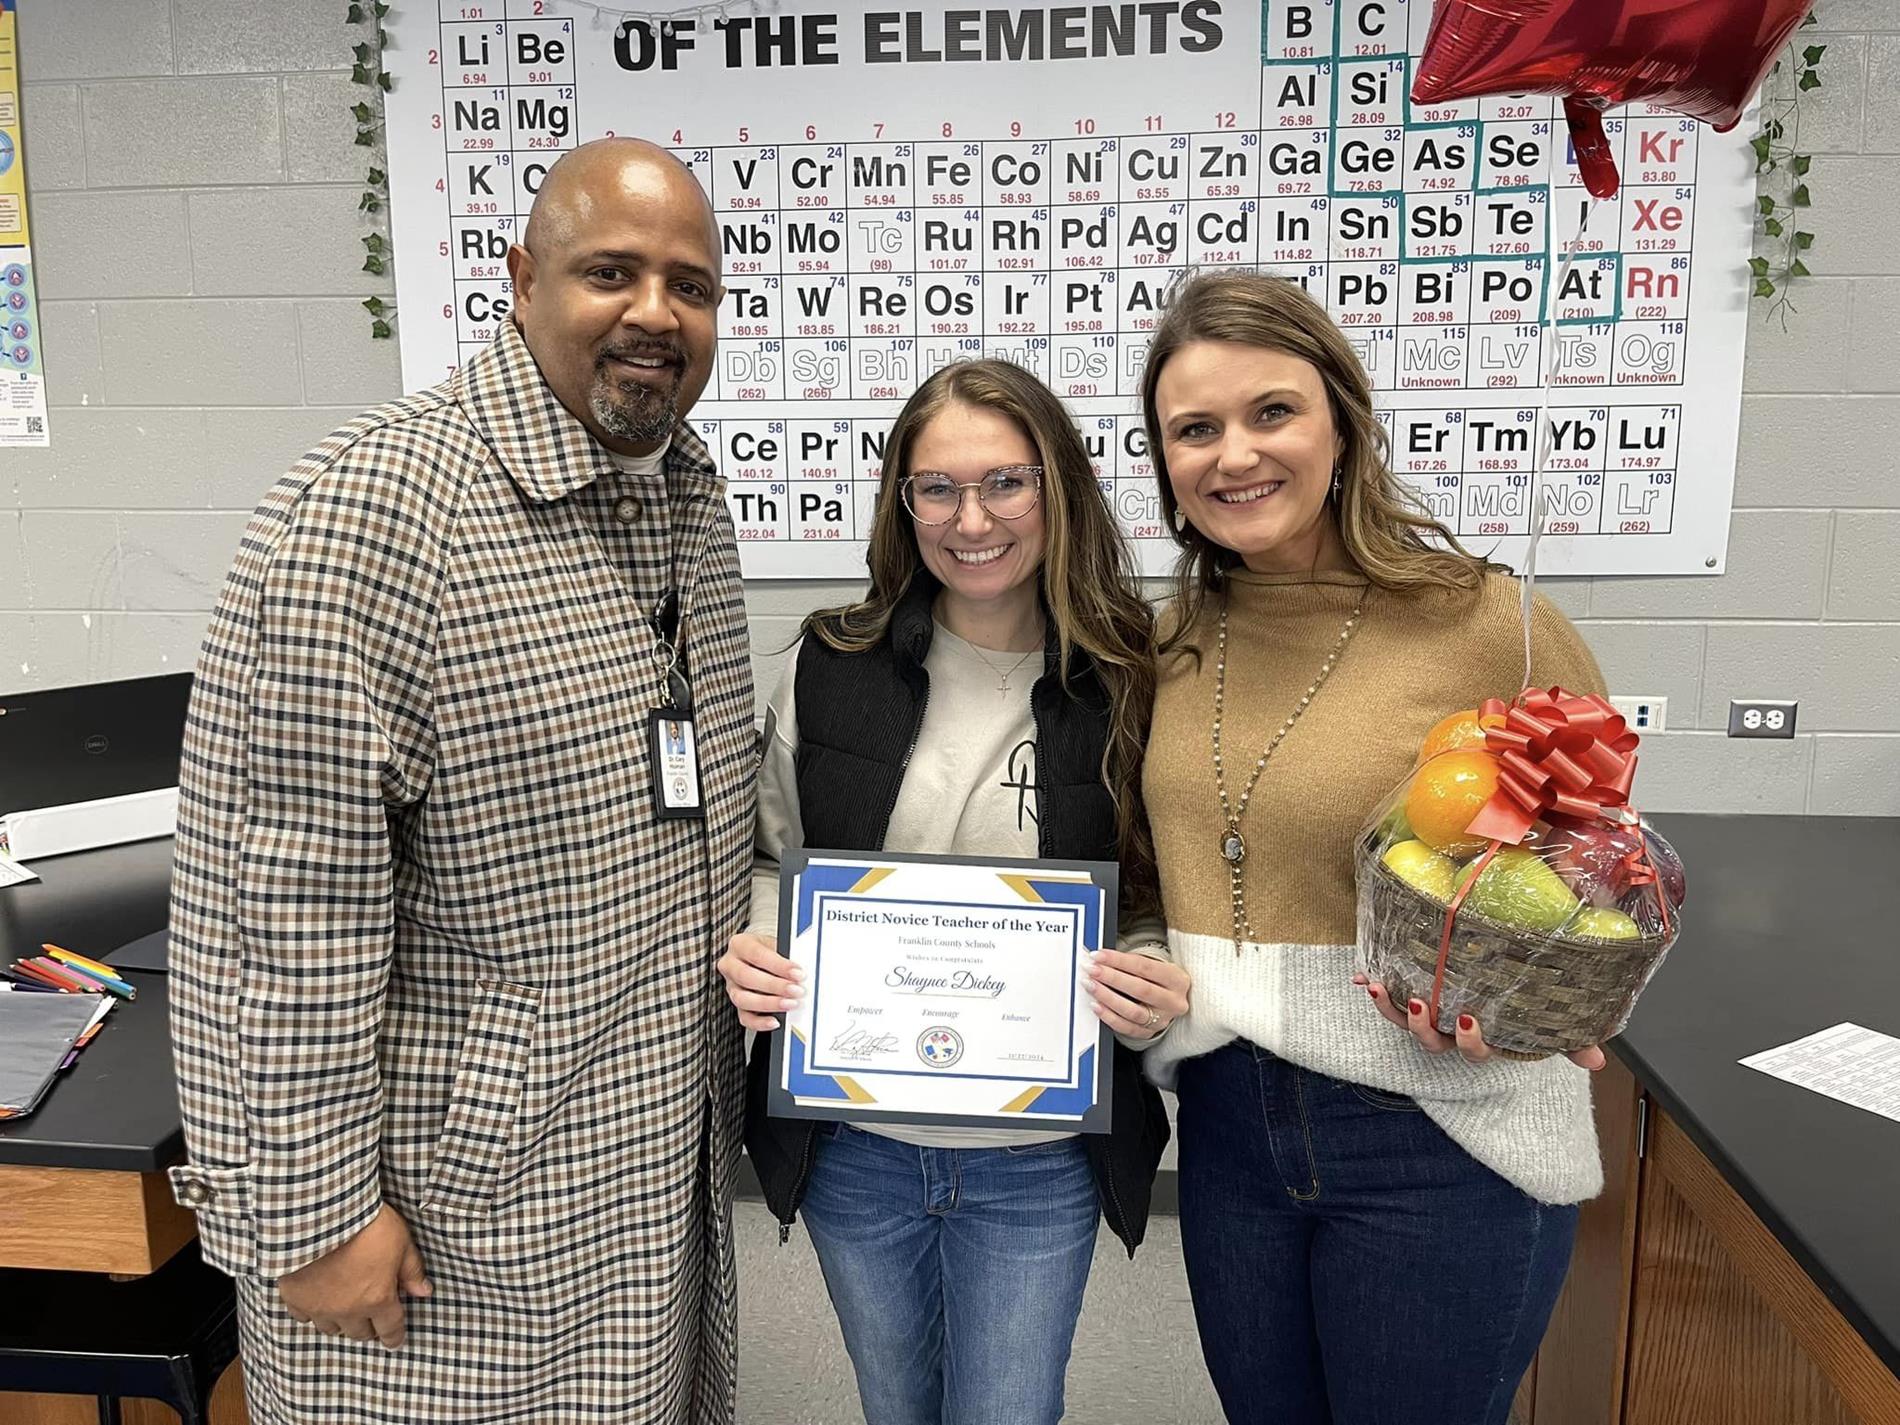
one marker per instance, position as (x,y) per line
(1508,878)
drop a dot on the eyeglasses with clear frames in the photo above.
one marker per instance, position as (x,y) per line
(1007,493)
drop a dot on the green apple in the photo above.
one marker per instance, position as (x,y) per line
(1602,923)
(1423,869)
(1517,888)
(1394,827)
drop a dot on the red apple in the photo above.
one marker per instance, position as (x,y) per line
(1639,903)
(1593,859)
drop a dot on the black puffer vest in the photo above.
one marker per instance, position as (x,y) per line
(858,718)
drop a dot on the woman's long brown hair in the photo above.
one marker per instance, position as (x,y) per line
(1088,583)
(1387,533)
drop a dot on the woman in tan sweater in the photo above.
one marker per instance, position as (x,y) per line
(1375,1223)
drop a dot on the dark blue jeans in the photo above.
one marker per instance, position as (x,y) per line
(957,1273)
(1349,1263)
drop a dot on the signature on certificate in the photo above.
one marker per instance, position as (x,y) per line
(855,1043)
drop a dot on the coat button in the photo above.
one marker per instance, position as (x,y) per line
(626,509)
(195,1194)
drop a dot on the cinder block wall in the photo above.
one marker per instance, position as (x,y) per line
(194,186)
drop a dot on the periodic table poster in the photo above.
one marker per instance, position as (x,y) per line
(900,189)
(22,378)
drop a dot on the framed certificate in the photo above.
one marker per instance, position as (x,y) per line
(943,991)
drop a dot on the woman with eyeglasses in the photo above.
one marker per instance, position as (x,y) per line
(989,696)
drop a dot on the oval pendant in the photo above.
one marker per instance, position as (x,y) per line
(1232,848)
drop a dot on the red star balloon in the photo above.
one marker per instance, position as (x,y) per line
(1703,58)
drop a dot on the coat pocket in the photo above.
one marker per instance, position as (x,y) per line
(486,1095)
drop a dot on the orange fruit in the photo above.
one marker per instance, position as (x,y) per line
(1446,793)
(1461,729)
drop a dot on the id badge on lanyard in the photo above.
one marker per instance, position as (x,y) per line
(672,740)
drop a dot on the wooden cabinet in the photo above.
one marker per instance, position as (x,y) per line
(82,1220)
(1682,1308)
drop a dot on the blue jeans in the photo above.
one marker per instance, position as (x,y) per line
(957,1274)
(1349,1263)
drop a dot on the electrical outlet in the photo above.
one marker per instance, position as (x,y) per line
(1643,714)
(1761,717)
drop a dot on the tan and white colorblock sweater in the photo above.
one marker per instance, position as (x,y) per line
(1414,659)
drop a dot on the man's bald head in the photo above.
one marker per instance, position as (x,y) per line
(602,171)
(617,289)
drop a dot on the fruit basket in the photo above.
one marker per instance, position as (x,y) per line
(1508,878)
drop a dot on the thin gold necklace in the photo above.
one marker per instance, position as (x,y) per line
(1233,846)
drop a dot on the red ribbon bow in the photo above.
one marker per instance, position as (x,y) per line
(1562,755)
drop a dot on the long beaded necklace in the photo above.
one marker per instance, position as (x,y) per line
(1233,846)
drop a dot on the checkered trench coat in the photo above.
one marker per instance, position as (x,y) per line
(431,946)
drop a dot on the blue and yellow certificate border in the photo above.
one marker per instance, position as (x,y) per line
(1081,1103)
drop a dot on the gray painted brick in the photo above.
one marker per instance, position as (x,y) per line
(1843,674)
(1710,772)
(1572,596)
(55,147)
(1819,451)
(1873,339)
(1830,115)
(75,375)
(1864,581)
(112,458)
(343,364)
(319,134)
(176,561)
(1883,82)
(267,242)
(1654,659)
(1856,211)
(58,650)
(1809,355)
(1777,568)
(246,450)
(66,560)
(198,353)
(97,39)
(164,132)
(1856,776)
(260,36)
(794,598)
(1835,16)
(139,645)
(80,245)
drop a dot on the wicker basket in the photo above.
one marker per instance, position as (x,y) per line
(1534,994)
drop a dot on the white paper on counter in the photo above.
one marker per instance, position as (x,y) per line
(1855,1065)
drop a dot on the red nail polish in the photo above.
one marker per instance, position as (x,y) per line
(1373,990)
(1467,1023)
(1417,1007)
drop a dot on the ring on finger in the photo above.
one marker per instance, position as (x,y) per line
(1154,1018)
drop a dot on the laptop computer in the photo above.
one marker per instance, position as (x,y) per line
(61,745)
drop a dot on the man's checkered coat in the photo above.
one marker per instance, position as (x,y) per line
(431,946)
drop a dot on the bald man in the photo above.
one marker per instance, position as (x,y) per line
(460,1089)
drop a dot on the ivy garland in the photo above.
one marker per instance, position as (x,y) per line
(368,71)
(1780,160)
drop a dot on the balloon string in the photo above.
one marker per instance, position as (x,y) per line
(1553,364)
